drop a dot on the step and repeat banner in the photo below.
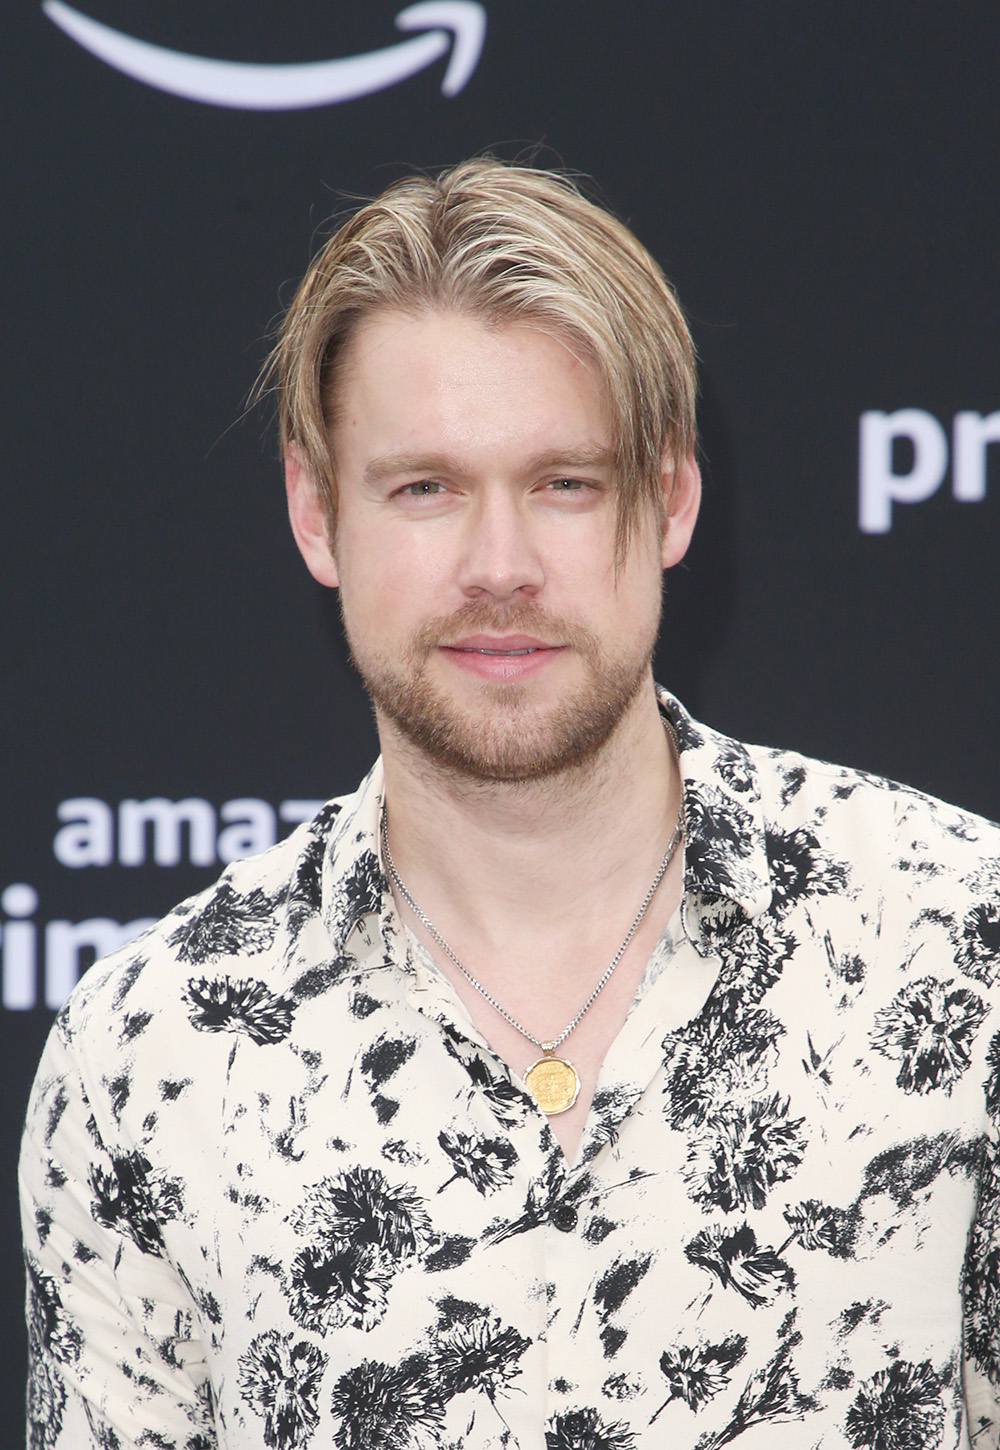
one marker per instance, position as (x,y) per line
(819,181)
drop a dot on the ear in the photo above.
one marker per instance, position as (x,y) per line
(308,519)
(681,485)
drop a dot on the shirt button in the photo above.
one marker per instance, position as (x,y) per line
(564,1217)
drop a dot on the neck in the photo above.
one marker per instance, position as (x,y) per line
(490,853)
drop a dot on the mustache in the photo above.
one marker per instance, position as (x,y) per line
(484,616)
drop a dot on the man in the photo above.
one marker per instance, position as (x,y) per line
(587,1080)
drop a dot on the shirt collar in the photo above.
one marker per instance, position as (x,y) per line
(725,847)
(353,882)
(725,853)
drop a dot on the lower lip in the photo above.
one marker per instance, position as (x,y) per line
(501,667)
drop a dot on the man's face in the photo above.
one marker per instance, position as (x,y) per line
(475,547)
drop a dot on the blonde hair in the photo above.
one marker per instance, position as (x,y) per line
(508,244)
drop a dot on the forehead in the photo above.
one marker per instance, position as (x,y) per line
(446,376)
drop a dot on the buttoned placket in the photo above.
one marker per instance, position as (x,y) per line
(573,1194)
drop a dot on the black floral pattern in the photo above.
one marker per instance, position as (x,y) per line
(614,1287)
(46,1400)
(481,1354)
(696,1373)
(899,1408)
(506,1100)
(849,966)
(379,1063)
(736,768)
(609,1108)
(230,924)
(742,1153)
(736,1260)
(978,944)
(385,1057)
(771,1396)
(688,734)
(993,1081)
(267,1118)
(586,1430)
(486,1163)
(714,819)
(53,1340)
(306,892)
(716,1059)
(244,1005)
(930,1030)
(361,1207)
(549,1198)
(103,1434)
(333,1284)
(360,1230)
(800,868)
(386,1407)
(135,1200)
(754,954)
(982,1271)
(813,1226)
(280,1379)
(360,890)
(50,1331)
(793,779)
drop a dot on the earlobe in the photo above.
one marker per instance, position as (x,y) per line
(682,497)
(308,519)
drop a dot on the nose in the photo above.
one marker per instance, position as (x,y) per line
(500,555)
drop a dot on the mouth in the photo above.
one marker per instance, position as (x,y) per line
(519,644)
(501,657)
(466,650)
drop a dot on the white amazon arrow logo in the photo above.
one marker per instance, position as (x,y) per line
(460,24)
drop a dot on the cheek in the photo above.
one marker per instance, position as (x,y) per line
(390,589)
(635,610)
(415,572)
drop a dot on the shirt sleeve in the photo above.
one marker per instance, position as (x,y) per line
(115,1356)
(982,1302)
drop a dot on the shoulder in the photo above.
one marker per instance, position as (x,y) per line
(787,790)
(849,804)
(923,875)
(233,950)
(858,855)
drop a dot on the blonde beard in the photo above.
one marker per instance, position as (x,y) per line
(503,741)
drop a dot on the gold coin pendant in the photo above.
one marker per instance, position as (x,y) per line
(553,1083)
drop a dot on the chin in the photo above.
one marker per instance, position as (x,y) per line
(508,739)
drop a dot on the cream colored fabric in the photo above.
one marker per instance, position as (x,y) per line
(278,1191)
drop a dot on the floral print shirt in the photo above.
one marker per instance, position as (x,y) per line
(279,1192)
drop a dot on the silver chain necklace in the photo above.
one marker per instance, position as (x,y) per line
(552,1081)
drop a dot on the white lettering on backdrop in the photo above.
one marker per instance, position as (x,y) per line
(41,962)
(881,483)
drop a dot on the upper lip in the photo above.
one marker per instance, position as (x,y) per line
(499,642)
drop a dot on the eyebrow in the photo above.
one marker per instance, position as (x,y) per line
(391,465)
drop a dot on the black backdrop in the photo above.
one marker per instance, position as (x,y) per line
(820,182)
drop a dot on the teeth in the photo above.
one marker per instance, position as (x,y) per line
(504,651)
